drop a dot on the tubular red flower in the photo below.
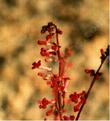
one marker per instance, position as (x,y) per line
(49,112)
(71,117)
(49,37)
(42,42)
(36,64)
(44,52)
(66,117)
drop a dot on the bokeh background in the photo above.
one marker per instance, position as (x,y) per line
(85,27)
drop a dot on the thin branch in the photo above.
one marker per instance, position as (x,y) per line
(92,83)
(59,57)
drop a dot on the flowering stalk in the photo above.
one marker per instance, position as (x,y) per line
(95,75)
(58,81)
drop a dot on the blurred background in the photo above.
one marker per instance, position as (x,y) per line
(85,27)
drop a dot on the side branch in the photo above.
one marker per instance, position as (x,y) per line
(93,81)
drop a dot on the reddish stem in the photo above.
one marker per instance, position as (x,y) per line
(59,59)
(90,88)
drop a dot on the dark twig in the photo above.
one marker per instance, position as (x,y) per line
(93,81)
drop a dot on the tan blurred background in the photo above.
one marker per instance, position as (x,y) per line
(85,27)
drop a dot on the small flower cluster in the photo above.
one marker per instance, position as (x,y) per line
(58,82)
(78,99)
(43,103)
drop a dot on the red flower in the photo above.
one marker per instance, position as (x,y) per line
(77,107)
(74,97)
(49,112)
(82,100)
(42,42)
(36,64)
(79,99)
(83,97)
(54,47)
(49,37)
(43,103)
(90,71)
(102,51)
(66,117)
(47,52)
(72,117)
(103,54)
(54,81)
(44,52)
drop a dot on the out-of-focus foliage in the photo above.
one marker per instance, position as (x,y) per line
(85,27)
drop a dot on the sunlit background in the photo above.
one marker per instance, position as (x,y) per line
(85,29)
